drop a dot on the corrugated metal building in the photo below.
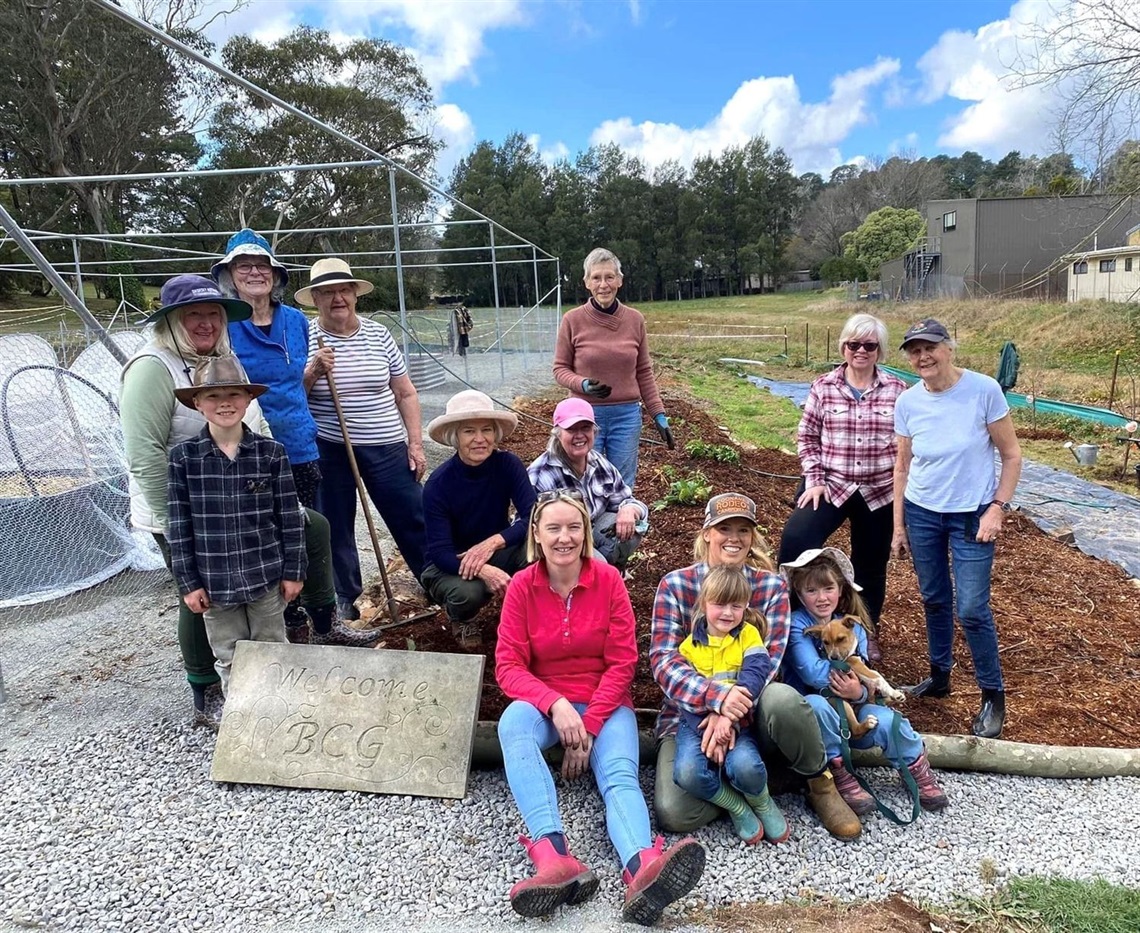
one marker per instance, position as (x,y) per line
(1009,246)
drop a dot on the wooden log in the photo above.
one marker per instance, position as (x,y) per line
(946,752)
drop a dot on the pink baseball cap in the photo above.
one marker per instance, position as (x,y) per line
(572,411)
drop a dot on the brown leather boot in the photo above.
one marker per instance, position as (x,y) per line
(837,818)
(558,879)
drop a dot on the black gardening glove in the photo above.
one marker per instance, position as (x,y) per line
(663,429)
(596,389)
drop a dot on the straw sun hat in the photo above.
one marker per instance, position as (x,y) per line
(470,405)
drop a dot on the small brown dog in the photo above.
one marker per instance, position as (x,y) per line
(839,644)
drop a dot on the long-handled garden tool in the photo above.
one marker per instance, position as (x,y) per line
(393,605)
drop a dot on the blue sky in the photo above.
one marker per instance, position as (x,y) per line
(830,82)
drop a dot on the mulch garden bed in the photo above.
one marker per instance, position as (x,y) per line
(1068,624)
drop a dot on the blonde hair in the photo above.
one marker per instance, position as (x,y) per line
(169,334)
(725,586)
(823,571)
(533,548)
(758,551)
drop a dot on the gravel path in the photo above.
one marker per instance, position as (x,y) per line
(111,821)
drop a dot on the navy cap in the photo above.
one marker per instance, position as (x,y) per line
(928,329)
(185,290)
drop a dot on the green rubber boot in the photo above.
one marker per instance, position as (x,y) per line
(775,826)
(743,819)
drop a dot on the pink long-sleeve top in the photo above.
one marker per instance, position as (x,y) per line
(611,348)
(583,648)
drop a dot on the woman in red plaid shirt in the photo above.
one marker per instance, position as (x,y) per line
(846,442)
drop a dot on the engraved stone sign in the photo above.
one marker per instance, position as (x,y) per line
(391,722)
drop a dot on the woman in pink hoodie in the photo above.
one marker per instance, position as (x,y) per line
(566,656)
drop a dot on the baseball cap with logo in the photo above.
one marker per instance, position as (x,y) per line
(928,329)
(185,290)
(729,505)
(571,411)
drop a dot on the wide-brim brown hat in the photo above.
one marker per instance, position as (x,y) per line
(330,272)
(218,372)
(471,405)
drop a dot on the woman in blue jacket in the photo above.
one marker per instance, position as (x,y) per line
(273,346)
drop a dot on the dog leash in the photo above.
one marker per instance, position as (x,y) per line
(845,751)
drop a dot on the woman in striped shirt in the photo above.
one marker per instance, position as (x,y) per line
(382,414)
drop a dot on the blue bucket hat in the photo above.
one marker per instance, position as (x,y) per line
(185,290)
(248,243)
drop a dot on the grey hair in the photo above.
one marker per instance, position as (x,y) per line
(169,334)
(225,280)
(599,256)
(859,324)
(449,435)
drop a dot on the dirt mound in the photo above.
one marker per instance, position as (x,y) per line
(1068,624)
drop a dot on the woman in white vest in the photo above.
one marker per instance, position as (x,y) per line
(190,325)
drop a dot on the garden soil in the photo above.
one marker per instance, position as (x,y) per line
(1068,624)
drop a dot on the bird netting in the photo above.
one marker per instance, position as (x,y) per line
(64,505)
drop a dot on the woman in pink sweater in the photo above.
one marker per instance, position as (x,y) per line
(602,356)
(566,656)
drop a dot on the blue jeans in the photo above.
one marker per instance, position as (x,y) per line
(524,733)
(906,750)
(619,432)
(935,538)
(695,774)
(392,488)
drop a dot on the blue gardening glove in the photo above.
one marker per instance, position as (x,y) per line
(596,389)
(663,429)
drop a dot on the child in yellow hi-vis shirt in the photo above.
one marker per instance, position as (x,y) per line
(727,645)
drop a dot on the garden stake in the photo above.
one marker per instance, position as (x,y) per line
(1112,388)
(393,606)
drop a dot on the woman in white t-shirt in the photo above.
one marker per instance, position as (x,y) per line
(948,502)
(382,413)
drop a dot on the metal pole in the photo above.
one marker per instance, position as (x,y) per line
(499,341)
(78,269)
(399,262)
(526,349)
(807,343)
(49,273)
(1112,388)
(534,261)
(495,284)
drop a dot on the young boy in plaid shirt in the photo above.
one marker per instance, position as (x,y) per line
(235,527)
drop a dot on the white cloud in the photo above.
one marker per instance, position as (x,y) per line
(447,35)
(809,133)
(975,67)
(548,154)
(454,127)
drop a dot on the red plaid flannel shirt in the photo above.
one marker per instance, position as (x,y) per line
(849,445)
(673,611)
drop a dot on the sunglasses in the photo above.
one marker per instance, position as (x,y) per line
(553,495)
(869,345)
